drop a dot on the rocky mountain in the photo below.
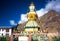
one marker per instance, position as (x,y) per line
(20,27)
(50,21)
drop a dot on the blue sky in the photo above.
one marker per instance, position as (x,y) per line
(11,10)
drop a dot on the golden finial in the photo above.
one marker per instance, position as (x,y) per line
(32,4)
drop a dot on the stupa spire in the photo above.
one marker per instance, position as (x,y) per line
(32,4)
(32,7)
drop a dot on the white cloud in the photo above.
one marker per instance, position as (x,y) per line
(23,18)
(41,12)
(12,22)
(53,5)
(19,22)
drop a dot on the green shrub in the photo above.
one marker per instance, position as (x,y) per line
(59,38)
(56,38)
(3,39)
